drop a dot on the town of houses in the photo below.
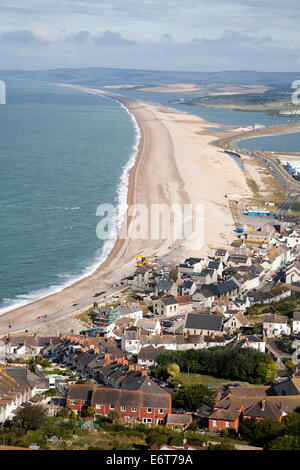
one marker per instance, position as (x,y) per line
(196,304)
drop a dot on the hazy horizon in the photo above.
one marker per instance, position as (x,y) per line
(185,35)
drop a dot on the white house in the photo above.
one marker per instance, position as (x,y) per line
(167,306)
(275,325)
(253,342)
(296,323)
(293,274)
(134,311)
(148,324)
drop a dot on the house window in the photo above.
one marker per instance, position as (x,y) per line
(147,420)
(214,423)
(133,408)
(160,421)
(72,402)
(123,408)
(98,406)
(161,411)
(149,410)
(111,407)
(227,424)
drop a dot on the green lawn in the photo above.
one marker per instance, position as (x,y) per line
(192,379)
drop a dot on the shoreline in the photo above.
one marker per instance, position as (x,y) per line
(159,175)
(107,245)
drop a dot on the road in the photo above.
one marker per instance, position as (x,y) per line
(292,187)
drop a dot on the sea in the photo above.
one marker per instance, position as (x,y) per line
(63,152)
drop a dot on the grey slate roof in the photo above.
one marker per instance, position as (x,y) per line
(200,321)
(220,289)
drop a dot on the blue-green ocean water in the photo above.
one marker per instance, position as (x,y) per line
(62,153)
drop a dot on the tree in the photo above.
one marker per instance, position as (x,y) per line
(157,437)
(266,430)
(91,410)
(31,418)
(173,369)
(267,371)
(285,443)
(113,416)
(290,365)
(191,398)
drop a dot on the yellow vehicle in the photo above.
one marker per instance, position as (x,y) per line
(141,260)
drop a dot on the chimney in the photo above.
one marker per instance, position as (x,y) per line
(131,367)
(107,359)
(125,362)
(24,342)
(138,367)
(263,404)
(35,335)
(144,372)
(92,346)
(119,360)
(97,350)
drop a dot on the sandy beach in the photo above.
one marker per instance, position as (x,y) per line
(176,163)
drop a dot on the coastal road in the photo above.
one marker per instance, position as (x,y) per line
(292,187)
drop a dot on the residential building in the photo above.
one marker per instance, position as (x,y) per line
(275,325)
(202,324)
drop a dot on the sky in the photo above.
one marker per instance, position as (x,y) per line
(180,35)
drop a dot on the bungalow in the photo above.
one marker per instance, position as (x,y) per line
(202,324)
(178,421)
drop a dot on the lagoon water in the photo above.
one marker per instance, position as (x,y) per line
(62,153)
(278,143)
